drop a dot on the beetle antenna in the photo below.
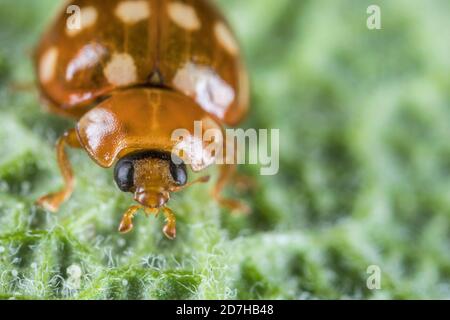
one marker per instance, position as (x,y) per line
(203,179)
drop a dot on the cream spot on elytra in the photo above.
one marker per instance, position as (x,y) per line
(88,57)
(226,38)
(211,92)
(88,17)
(121,70)
(47,65)
(184,16)
(131,12)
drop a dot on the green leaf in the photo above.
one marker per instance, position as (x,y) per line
(364,171)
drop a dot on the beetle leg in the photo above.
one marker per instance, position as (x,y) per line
(170,228)
(53,201)
(226,173)
(126,225)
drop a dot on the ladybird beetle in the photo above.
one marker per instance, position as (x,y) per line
(130,74)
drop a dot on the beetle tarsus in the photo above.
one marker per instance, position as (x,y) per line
(53,201)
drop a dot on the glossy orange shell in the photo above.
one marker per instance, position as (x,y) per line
(183,45)
(131,121)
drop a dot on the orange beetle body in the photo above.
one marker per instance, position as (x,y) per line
(131,72)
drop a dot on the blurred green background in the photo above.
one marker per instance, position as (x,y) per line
(364,174)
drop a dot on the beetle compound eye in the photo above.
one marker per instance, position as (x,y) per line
(178,172)
(124,175)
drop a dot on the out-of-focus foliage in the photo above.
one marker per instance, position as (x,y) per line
(364,180)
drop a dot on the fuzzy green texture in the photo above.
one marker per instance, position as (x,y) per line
(364,174)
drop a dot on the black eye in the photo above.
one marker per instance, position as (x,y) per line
(178,172)
(124,175)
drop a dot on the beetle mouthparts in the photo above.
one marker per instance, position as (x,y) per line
(151,199)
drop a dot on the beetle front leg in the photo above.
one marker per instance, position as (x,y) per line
(53,201)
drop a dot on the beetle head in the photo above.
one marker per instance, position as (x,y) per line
(151,176)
